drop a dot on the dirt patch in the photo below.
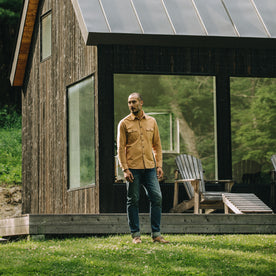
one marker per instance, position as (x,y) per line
(10,201)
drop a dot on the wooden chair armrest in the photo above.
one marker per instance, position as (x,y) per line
(219,180)
(228,183)
(186,180)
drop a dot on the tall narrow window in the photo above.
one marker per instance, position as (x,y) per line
(46,40)
(81,134)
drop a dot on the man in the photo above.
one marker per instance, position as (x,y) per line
(138,140)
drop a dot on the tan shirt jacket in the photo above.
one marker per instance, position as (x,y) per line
(138,143)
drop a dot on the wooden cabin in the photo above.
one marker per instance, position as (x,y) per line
(65,59)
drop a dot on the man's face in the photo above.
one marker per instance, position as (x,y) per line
(134,105)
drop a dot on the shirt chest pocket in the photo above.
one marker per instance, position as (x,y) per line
(132,135)
(149,132)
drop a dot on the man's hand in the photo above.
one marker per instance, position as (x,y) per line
(159,172)
(128,176)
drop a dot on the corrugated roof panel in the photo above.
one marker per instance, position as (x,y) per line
(267,10)
(153,17)
(246,19)
(121,16)
(93,16)
(184,17)
(215,18)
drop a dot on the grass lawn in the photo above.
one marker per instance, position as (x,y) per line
(116,255)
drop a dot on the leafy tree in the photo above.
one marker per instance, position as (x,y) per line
(253,119)
(9,18)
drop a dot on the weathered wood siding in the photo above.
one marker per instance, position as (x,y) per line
(44,119)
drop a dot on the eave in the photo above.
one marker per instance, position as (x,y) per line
(24,39)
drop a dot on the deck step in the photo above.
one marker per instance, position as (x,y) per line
(244,203)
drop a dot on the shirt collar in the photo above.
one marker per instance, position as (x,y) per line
(133,117)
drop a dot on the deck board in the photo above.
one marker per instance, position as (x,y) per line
(117,224)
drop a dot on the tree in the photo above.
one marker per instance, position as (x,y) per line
(253,119)
(9,18)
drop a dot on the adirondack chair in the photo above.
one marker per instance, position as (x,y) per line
(247,176)
(191,174)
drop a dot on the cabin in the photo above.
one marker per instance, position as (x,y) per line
(71,55)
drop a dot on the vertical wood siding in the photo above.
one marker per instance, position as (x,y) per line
(44,118)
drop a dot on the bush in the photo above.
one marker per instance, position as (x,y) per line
(10,146)
(9,117)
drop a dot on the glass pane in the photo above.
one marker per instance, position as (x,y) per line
(184,17)
(153,17)
(253,134)
(184,110)
(267,9)
(245,18)
(93,16)
(81,134)
(215,17)
(169,130)
(46,38)
(121,16)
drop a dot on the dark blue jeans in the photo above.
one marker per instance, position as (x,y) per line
(147,178)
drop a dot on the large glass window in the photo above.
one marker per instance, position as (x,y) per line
(253,133)
(81,131)
(184,110)
(46,35)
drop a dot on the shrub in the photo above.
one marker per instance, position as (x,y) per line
(10,146)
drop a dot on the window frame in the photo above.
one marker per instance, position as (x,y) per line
(69,189)
(174,134)
(48,13)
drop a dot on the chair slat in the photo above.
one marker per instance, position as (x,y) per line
(190,167)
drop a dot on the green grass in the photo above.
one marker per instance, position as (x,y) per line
(116,255)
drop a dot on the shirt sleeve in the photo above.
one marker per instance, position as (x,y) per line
(121,145)
(156,145)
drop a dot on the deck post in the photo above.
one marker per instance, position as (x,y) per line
(223,118)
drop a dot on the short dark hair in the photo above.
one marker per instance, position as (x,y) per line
(137,95)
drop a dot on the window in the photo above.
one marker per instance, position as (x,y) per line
(81,133)
(46,39)
(253,133)
(183,107)
(168,126)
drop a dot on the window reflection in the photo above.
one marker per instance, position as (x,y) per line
(81,133)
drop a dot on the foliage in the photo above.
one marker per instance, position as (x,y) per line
(253,120)
(116,255)
(9,19)
(9,10)
(10,152)
(9,117)
(10,145)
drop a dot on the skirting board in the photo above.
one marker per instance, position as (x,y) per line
(117,224)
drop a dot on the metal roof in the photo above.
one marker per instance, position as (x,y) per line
(176,22)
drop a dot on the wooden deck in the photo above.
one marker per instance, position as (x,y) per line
(117,224)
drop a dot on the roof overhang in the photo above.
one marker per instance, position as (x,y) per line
(181,23)
(184,23)
(24,39)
